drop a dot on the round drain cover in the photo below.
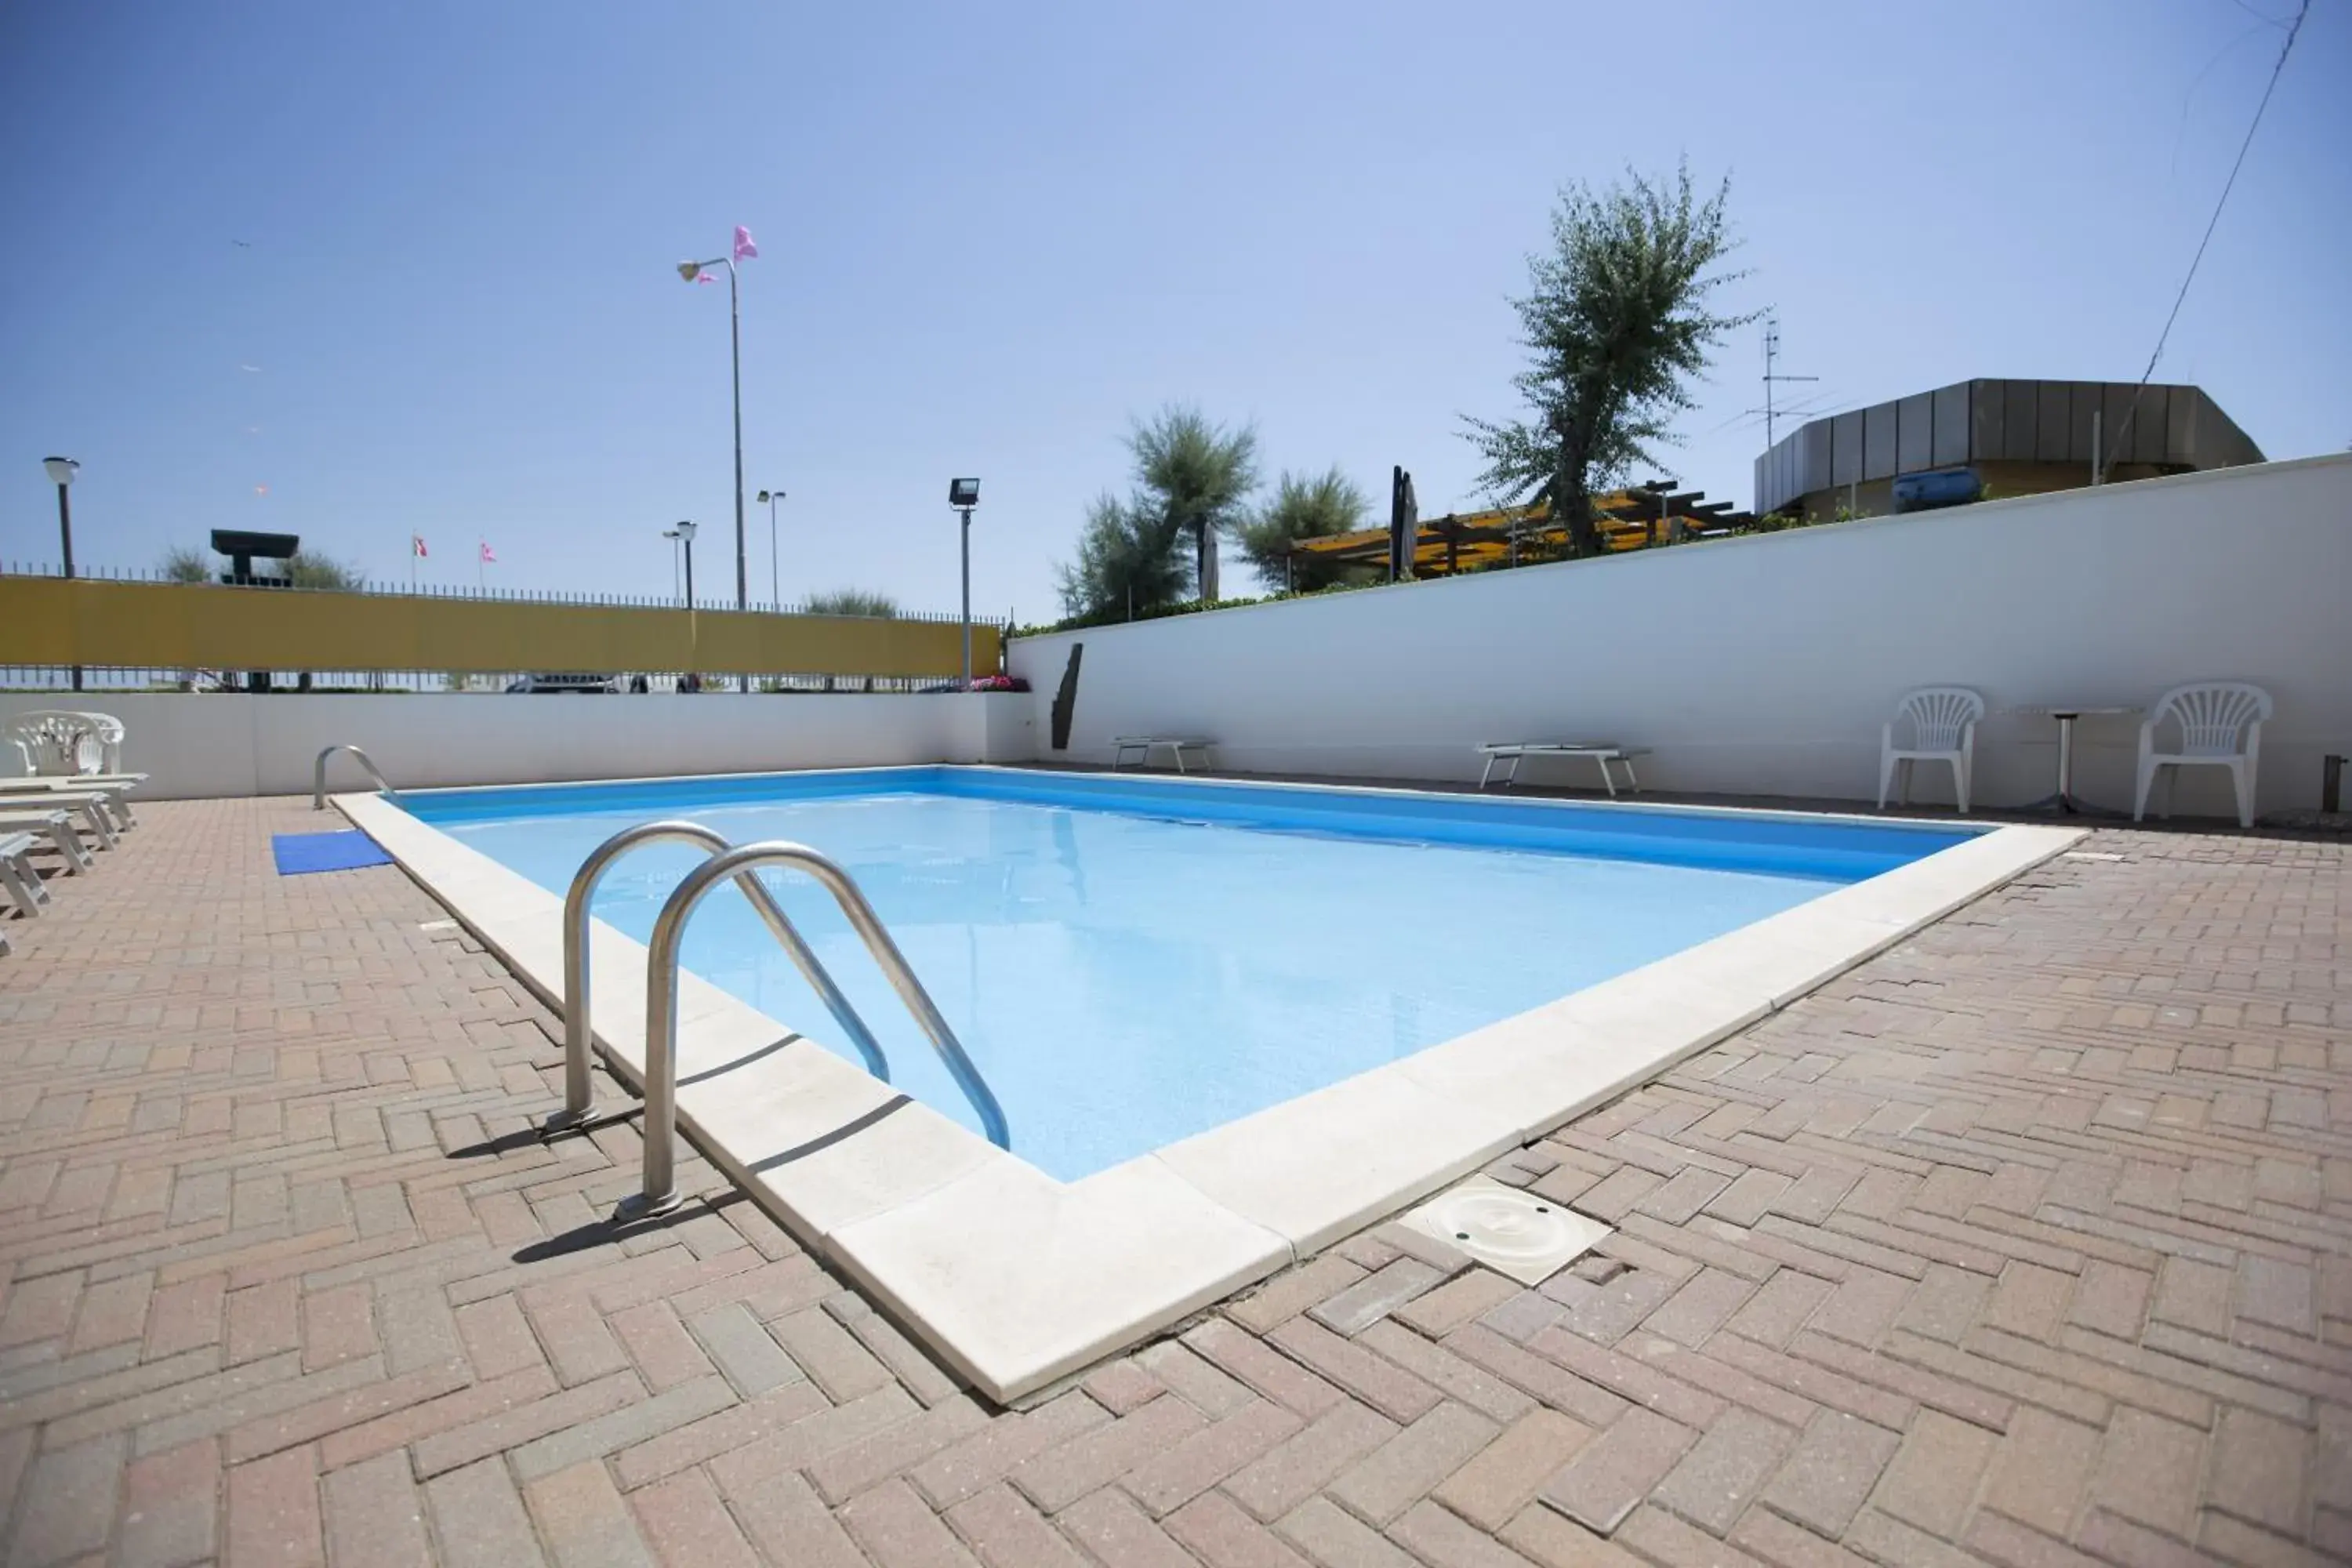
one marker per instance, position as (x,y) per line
(1507,1225)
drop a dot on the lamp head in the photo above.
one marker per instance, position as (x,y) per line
(689,270)
(686,532)
(964,493)
(61,470)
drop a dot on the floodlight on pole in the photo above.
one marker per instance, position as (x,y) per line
(685,532)
(963,495)
(775,594)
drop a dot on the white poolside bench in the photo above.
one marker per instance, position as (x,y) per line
(1146,745)
(1516,752)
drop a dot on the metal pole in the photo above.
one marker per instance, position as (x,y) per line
(775,592)
(689,574)
(65,533)
(967,598)
(735,339)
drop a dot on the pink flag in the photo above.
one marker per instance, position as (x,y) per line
(744,249)
(416,544)
(486,556)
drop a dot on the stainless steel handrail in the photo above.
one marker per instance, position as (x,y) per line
(579,1094)
(319,775)
(660,1129)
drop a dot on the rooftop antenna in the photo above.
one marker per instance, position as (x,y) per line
(1771,356)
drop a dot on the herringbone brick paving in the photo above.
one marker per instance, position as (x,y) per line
(2027,1243)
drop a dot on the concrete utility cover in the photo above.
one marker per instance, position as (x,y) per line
(1525,1235)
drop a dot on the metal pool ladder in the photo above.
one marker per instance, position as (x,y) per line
(659,1193)
(579,1095)
(319,775)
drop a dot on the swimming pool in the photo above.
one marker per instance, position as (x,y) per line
(1138,955)
(1131,963)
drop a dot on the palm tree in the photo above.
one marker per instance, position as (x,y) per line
(1305,506)
(1128,560)
(1193,482)
(1197,477)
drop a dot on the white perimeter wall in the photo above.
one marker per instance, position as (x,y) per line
(1765,664)
(218,745)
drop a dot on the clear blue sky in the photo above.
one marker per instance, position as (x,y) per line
(993,235)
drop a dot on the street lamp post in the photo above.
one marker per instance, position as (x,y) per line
(963,495)
(692,271)
(62,470)
(775,594)
(674,537)
(684,533)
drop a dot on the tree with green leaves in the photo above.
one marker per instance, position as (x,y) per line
(1193,484)
(1616,324)
(1305,506)
(187,563)
(309,569)
(853,602)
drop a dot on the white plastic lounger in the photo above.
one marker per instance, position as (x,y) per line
(94,809)
(1145,745)
(116,793)
(17,874)
(1601,752)
(55,826)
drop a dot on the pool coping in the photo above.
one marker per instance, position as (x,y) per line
(1017,1279)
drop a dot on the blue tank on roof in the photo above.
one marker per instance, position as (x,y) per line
(1937,486)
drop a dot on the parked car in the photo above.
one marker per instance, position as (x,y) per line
(558,681)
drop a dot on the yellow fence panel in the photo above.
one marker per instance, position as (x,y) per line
(51,621)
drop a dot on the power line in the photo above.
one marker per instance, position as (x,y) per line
(2214,223)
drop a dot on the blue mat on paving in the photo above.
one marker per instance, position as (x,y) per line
(300,852)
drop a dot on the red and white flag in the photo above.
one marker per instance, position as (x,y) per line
(744,249)
(416,545)
(487,558)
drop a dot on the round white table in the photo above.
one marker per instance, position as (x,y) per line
(2063,801)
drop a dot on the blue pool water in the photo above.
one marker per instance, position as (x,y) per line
(1132,961)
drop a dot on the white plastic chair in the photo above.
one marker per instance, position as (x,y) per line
(108,732)
(54,743)
(2221,727)
(1943,729)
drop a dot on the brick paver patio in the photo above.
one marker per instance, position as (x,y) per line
(2029,1243)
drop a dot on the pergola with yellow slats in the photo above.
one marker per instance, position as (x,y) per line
(1626,518)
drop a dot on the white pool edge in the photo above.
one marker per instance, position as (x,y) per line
(928,1216)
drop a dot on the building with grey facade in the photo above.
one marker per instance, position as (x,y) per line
(1997,438)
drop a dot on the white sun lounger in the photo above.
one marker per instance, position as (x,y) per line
(17,874)
(115,792)
(94,807)
(1145,745)
(1601,752)
(56,824)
